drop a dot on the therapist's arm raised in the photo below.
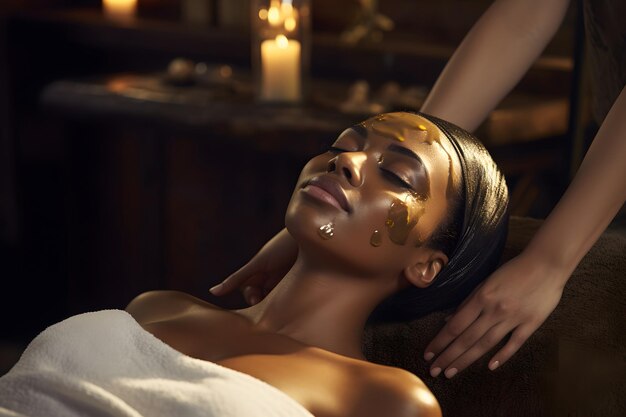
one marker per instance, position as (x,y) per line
(493,57)
(521,294)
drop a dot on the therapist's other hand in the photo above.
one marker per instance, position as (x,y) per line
(517,298)
(261,274)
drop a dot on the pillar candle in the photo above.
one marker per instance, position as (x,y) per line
(280,69)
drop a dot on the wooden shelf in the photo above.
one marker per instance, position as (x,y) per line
(144,98)
(398,57)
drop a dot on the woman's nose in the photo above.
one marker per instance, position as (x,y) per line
(350,166)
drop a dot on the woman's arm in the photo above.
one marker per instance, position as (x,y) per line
(522,293)
(492,58)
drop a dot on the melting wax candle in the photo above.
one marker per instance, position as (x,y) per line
(280,69)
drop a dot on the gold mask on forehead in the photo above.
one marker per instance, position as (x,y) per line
(398,126)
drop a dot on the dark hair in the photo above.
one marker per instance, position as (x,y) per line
(472,236)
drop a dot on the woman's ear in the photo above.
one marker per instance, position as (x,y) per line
(422,274)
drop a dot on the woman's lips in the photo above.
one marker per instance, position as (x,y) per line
(327,190)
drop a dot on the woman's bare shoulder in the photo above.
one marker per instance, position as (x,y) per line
(395,392)
(154,306)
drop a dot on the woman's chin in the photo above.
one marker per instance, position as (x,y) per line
(304,219)
(305,229)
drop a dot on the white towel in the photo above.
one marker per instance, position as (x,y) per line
(105,364)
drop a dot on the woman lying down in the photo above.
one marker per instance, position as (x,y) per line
(403,215)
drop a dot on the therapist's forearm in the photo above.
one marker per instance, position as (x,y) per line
(492,58)
(590,202)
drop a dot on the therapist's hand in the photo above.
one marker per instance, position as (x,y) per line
(516,298)
(261,274)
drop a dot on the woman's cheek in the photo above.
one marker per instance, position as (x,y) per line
(392,219)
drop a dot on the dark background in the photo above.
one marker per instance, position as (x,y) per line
(101,200)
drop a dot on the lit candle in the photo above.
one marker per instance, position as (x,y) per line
(290,24)
(120,9)
(273,16)
(280,69)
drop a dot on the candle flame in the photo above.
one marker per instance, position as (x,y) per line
(286,9)
(290,24)
(282,41)
(273,16)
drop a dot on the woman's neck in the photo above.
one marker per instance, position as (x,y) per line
(321,307)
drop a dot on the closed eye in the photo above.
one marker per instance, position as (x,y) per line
(395,178)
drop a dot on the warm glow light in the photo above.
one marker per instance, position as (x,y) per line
(286,9)
(273,16)
(280,72)
(226,71)
(426,397)
(290,24)
(280,55)
(117,85)
(282,41)
(120,9)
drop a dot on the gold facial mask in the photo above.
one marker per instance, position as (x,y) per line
(402,218)
(377,239)
(326,231)
(396,126)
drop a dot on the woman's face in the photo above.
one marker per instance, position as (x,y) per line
(377,194)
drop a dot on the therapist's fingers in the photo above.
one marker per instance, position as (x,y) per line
(270,282)
(253,295)
(483,345)
(461,344)
(236,279)
(519,336)
(454,327)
